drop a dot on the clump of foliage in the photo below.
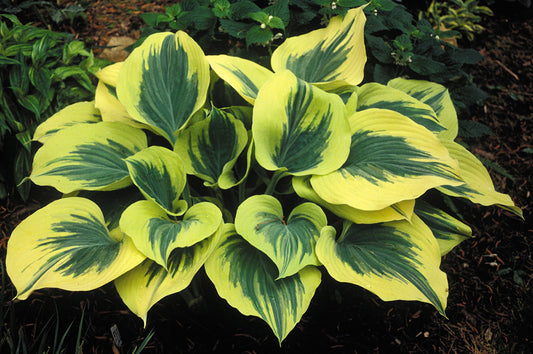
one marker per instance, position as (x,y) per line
(48,12)
(457,15)
(41,71)
(312,172)
(397,43)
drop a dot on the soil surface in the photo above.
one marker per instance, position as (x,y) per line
(490,277)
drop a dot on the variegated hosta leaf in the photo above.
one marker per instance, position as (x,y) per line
(436,96)
(374,95)
(210,148)
(159,174)
(299,128)
(289,244)
(156,235)
(448,231)
(146,284)
(478,186)
(246,278)
(245,76)
(66,245)
(400,211)
(242,113)
(164,82)
(87,156)
(81,112)
(105,99)
(397,260)
(391,159)
(109,74)
(334,53)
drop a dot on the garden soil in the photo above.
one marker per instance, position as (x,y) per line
(490,306)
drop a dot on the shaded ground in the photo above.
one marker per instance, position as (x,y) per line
(490,277)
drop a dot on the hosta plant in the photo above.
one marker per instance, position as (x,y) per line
(312,173)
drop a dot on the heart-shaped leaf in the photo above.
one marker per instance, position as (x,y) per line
(289,244)
(246,278)
(245,76)
(159,174)
(374,95)
(146,284)
(156,235)
(81,112)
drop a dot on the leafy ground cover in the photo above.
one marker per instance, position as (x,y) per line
(491,276)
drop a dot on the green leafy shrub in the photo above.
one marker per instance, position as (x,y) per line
(41,71)
(461,16)
(313,172)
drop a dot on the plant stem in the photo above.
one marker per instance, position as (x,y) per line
(279,174)
(242,191)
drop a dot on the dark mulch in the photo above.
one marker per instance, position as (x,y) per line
(490,277)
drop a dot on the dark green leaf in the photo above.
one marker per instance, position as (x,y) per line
(31,103)
(280,9)
(41,79)
(240,10)
(21,171)
(379,48)
(351,3)
(174,10)
(203,18)
(235,29)
(426,66)
(8,61)
(466,55)
(473,129)
(260,16)
(256,34)
(25,139)
(153,19)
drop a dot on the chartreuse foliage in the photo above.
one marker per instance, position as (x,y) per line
(312,175)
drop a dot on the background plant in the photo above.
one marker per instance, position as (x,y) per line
(461,16)
(161,182)
(41,71)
